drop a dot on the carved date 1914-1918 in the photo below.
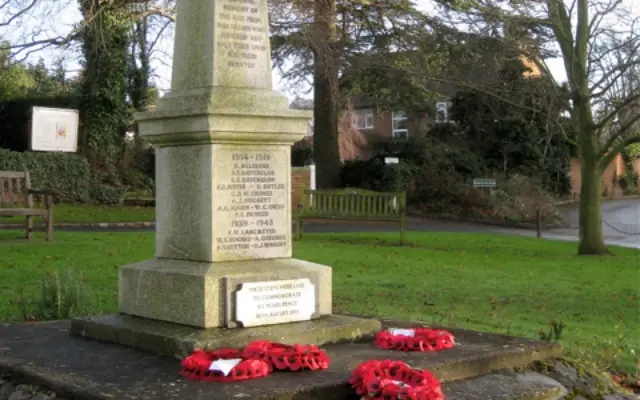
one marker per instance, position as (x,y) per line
(243,33)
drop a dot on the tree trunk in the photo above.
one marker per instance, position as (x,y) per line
(591,239)
(326,148)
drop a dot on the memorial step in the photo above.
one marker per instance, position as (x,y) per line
(78,368)
(505,386)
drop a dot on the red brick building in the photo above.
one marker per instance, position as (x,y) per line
(388,121)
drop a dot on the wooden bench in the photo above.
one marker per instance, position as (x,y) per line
(16,199)
(352,204)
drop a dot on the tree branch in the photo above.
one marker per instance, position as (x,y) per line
(606,158)
(18,14)
(611,116)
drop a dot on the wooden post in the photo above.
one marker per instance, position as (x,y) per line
(539,222)
(403,227)
(27,186)
(49,203)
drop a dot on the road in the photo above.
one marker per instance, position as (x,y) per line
(621,225)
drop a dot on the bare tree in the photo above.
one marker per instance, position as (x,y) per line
(33,26)
(599,44)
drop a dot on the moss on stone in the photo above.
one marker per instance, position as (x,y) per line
(587,381)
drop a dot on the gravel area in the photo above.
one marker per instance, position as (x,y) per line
(9,390)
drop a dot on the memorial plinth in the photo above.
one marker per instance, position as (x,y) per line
(223,142)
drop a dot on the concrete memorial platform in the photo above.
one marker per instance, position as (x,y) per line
(45,354)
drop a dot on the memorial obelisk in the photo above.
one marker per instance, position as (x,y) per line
(223,260)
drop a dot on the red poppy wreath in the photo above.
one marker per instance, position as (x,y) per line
(393,380)
(419,339)
(224,365)
(257,360)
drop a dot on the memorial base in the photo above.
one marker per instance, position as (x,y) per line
(180,341)
(203,294)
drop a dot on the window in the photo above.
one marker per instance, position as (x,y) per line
(400,125)
(443,112)
(364,119)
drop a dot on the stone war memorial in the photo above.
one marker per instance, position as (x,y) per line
(223,261)
(223,276)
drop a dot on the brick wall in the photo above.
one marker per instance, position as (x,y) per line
(614,171)
(383,128)
(636,167)
(300,180)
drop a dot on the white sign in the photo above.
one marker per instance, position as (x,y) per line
(391,160)
(275,302)
(484,183)
(54,129)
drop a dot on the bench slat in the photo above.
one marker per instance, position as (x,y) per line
(324,205)
(11,191)
(11,175)
(18,189)
(22,212)
(354,205)
(2,191)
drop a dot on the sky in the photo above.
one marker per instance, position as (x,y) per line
(56,17)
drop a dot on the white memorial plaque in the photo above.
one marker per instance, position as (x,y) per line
(275,302)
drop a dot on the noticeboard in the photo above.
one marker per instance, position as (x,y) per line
(54,129)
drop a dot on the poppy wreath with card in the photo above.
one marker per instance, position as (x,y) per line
(201,365)
(418,339)
(287,358)
(391,380)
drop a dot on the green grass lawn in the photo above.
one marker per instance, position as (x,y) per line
(491,283)
(92,214)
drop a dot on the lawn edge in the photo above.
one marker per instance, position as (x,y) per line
(103,225)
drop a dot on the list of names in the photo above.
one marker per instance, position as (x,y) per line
(251,213)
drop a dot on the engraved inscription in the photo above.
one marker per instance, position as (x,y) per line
(252,210)
(264,303)
(243,33)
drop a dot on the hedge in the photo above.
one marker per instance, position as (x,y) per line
(66,173)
